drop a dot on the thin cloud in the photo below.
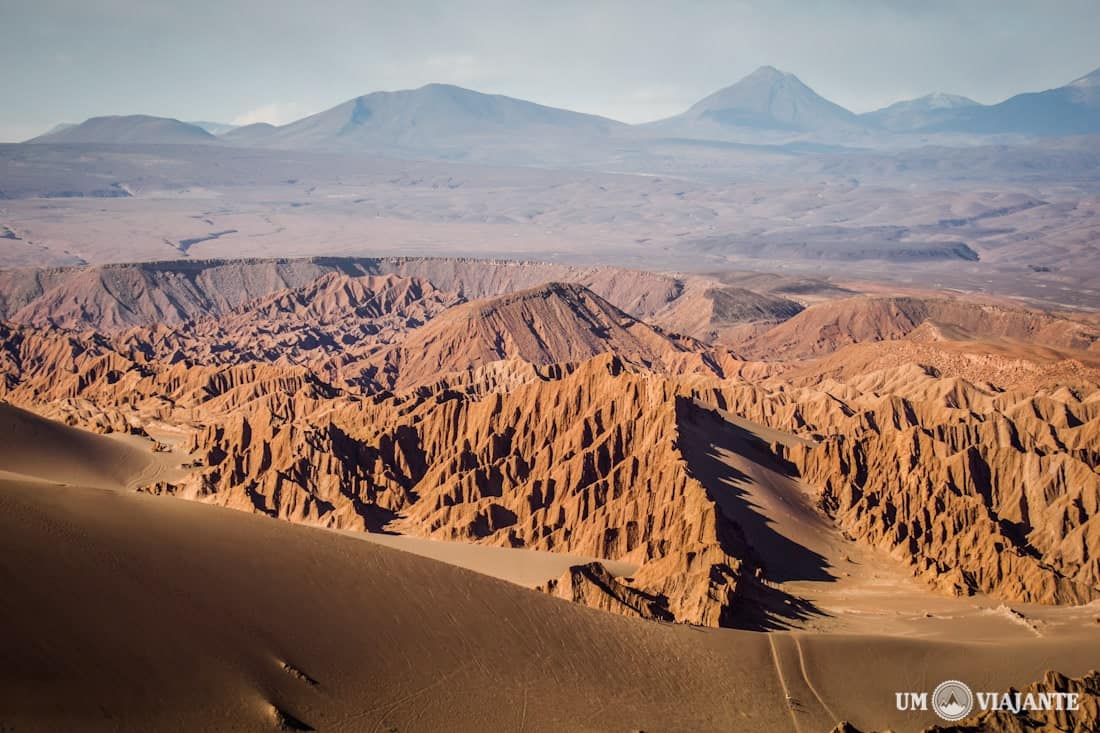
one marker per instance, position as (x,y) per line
(274,114)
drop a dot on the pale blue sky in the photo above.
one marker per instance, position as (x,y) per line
(250,60)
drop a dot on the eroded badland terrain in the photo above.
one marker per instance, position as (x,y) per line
(896,487)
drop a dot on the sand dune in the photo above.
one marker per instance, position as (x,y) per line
(193,616)
(48,450)
(529,568)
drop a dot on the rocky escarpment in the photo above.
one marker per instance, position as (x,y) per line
(977,488)
(592,585)
(550,419)
(115,297)
(827,327)
(329,322)
(553,323)
(586,463)
(978,491)
(375,333)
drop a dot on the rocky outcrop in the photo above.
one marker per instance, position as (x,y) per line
(334,325)
(552,323)
(592,585)
(585,463)
(827,327)
(979,492)
(115,297)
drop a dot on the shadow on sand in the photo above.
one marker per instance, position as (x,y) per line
(705,439)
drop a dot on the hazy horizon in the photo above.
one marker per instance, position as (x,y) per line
(244,61)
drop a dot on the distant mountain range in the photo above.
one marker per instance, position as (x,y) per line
(438,116)
(766,101)
(125,123)
(915,114)
(128,129)
(1073,109)
(768,106)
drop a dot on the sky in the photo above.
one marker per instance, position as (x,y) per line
(242,61)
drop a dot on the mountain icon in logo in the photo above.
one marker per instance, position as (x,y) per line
(952,700)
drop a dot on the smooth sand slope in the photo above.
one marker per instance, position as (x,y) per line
(34,446)
(149,613)
(132,612)
(528,568)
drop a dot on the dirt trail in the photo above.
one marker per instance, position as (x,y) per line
(808,711)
